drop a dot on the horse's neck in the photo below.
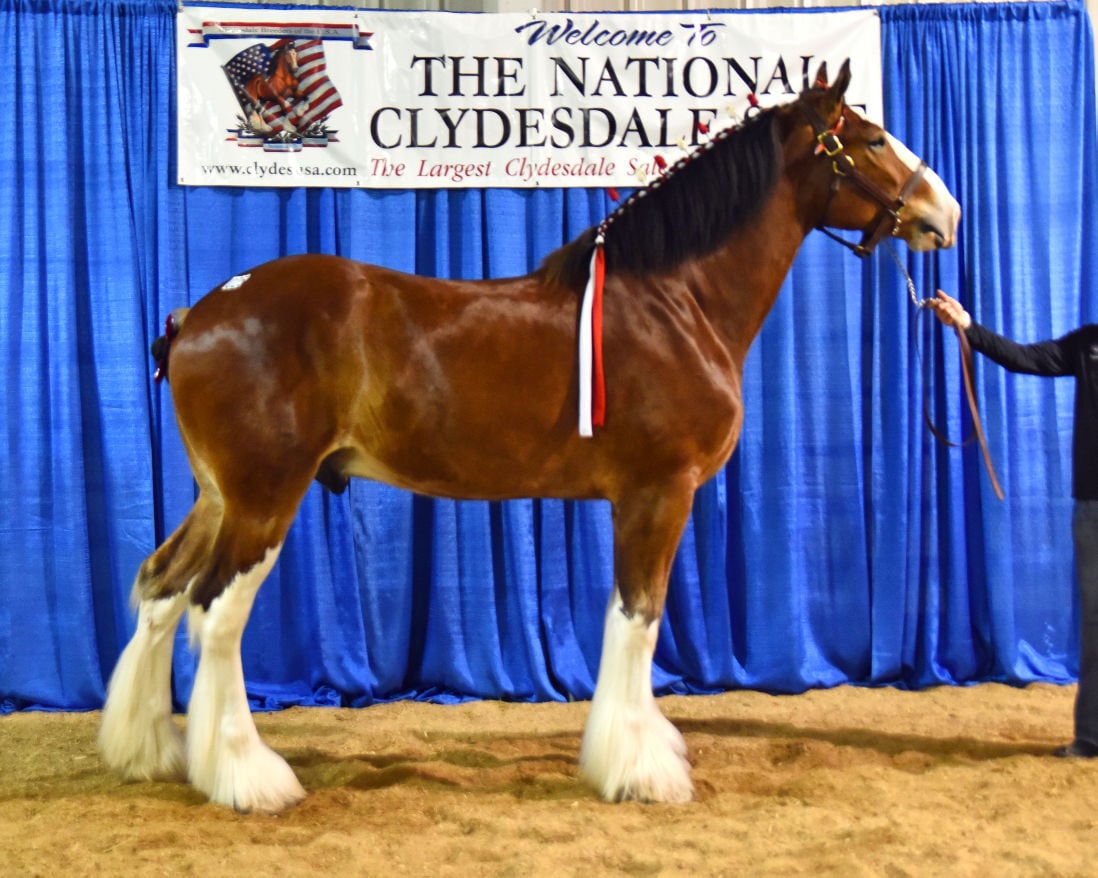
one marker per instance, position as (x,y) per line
(738,284)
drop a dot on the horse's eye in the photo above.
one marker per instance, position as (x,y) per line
(878,143)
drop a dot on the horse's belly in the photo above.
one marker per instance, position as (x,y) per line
(466,474)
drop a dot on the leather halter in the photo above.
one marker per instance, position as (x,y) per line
(887,220)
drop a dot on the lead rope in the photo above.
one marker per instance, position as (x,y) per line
(915,300)
(967,374)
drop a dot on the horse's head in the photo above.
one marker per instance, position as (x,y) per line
(867,180)
(282,81)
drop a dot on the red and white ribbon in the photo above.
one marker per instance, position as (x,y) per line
(592,380)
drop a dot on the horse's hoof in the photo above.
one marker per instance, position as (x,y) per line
(157,756)
(638,761)
(671,786)
(257,781)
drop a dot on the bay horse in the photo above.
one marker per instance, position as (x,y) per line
(315,366)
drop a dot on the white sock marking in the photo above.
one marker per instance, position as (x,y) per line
(136,735)
(630,750)
(225,757)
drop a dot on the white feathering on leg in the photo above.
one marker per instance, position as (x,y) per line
(226,759)
(137,737)
(630,750)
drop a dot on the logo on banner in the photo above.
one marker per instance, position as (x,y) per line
(285,95)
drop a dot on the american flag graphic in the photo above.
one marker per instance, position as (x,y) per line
(314,99)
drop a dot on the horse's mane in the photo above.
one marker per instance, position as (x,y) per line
(686,213)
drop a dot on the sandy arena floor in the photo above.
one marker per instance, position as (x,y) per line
(845,782)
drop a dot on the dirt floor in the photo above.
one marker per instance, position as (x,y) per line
(844,782)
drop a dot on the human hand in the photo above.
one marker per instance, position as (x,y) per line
(950,311)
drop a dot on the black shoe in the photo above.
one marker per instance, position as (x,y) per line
(1077,750)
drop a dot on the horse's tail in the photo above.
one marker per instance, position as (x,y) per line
(160,348)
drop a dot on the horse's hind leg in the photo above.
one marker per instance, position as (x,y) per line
(137,737)
(226,759)
(630,750)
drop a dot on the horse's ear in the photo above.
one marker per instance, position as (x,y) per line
(821,76)
(837,89)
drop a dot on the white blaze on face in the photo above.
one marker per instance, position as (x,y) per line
(941,212)
(912,161)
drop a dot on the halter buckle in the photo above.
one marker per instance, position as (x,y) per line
(829,142)
(842,171)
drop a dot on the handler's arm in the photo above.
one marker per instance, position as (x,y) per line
(1050,358)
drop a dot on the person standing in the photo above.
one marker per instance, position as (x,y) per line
(1074,354)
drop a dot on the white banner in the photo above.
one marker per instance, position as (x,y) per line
(408,100)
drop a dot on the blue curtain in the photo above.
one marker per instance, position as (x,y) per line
(842,544)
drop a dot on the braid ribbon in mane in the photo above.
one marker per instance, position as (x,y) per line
(592,378)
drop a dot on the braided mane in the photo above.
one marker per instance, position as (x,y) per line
(688,211)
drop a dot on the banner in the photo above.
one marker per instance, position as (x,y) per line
(409,100)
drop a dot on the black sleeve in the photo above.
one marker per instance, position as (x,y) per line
(1051,358)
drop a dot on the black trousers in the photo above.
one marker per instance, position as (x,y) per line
(1084,528)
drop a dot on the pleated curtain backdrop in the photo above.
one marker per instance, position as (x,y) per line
(841,544)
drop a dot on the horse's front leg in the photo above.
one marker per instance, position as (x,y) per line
(630,750)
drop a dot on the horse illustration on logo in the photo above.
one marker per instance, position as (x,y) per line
(285,95)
